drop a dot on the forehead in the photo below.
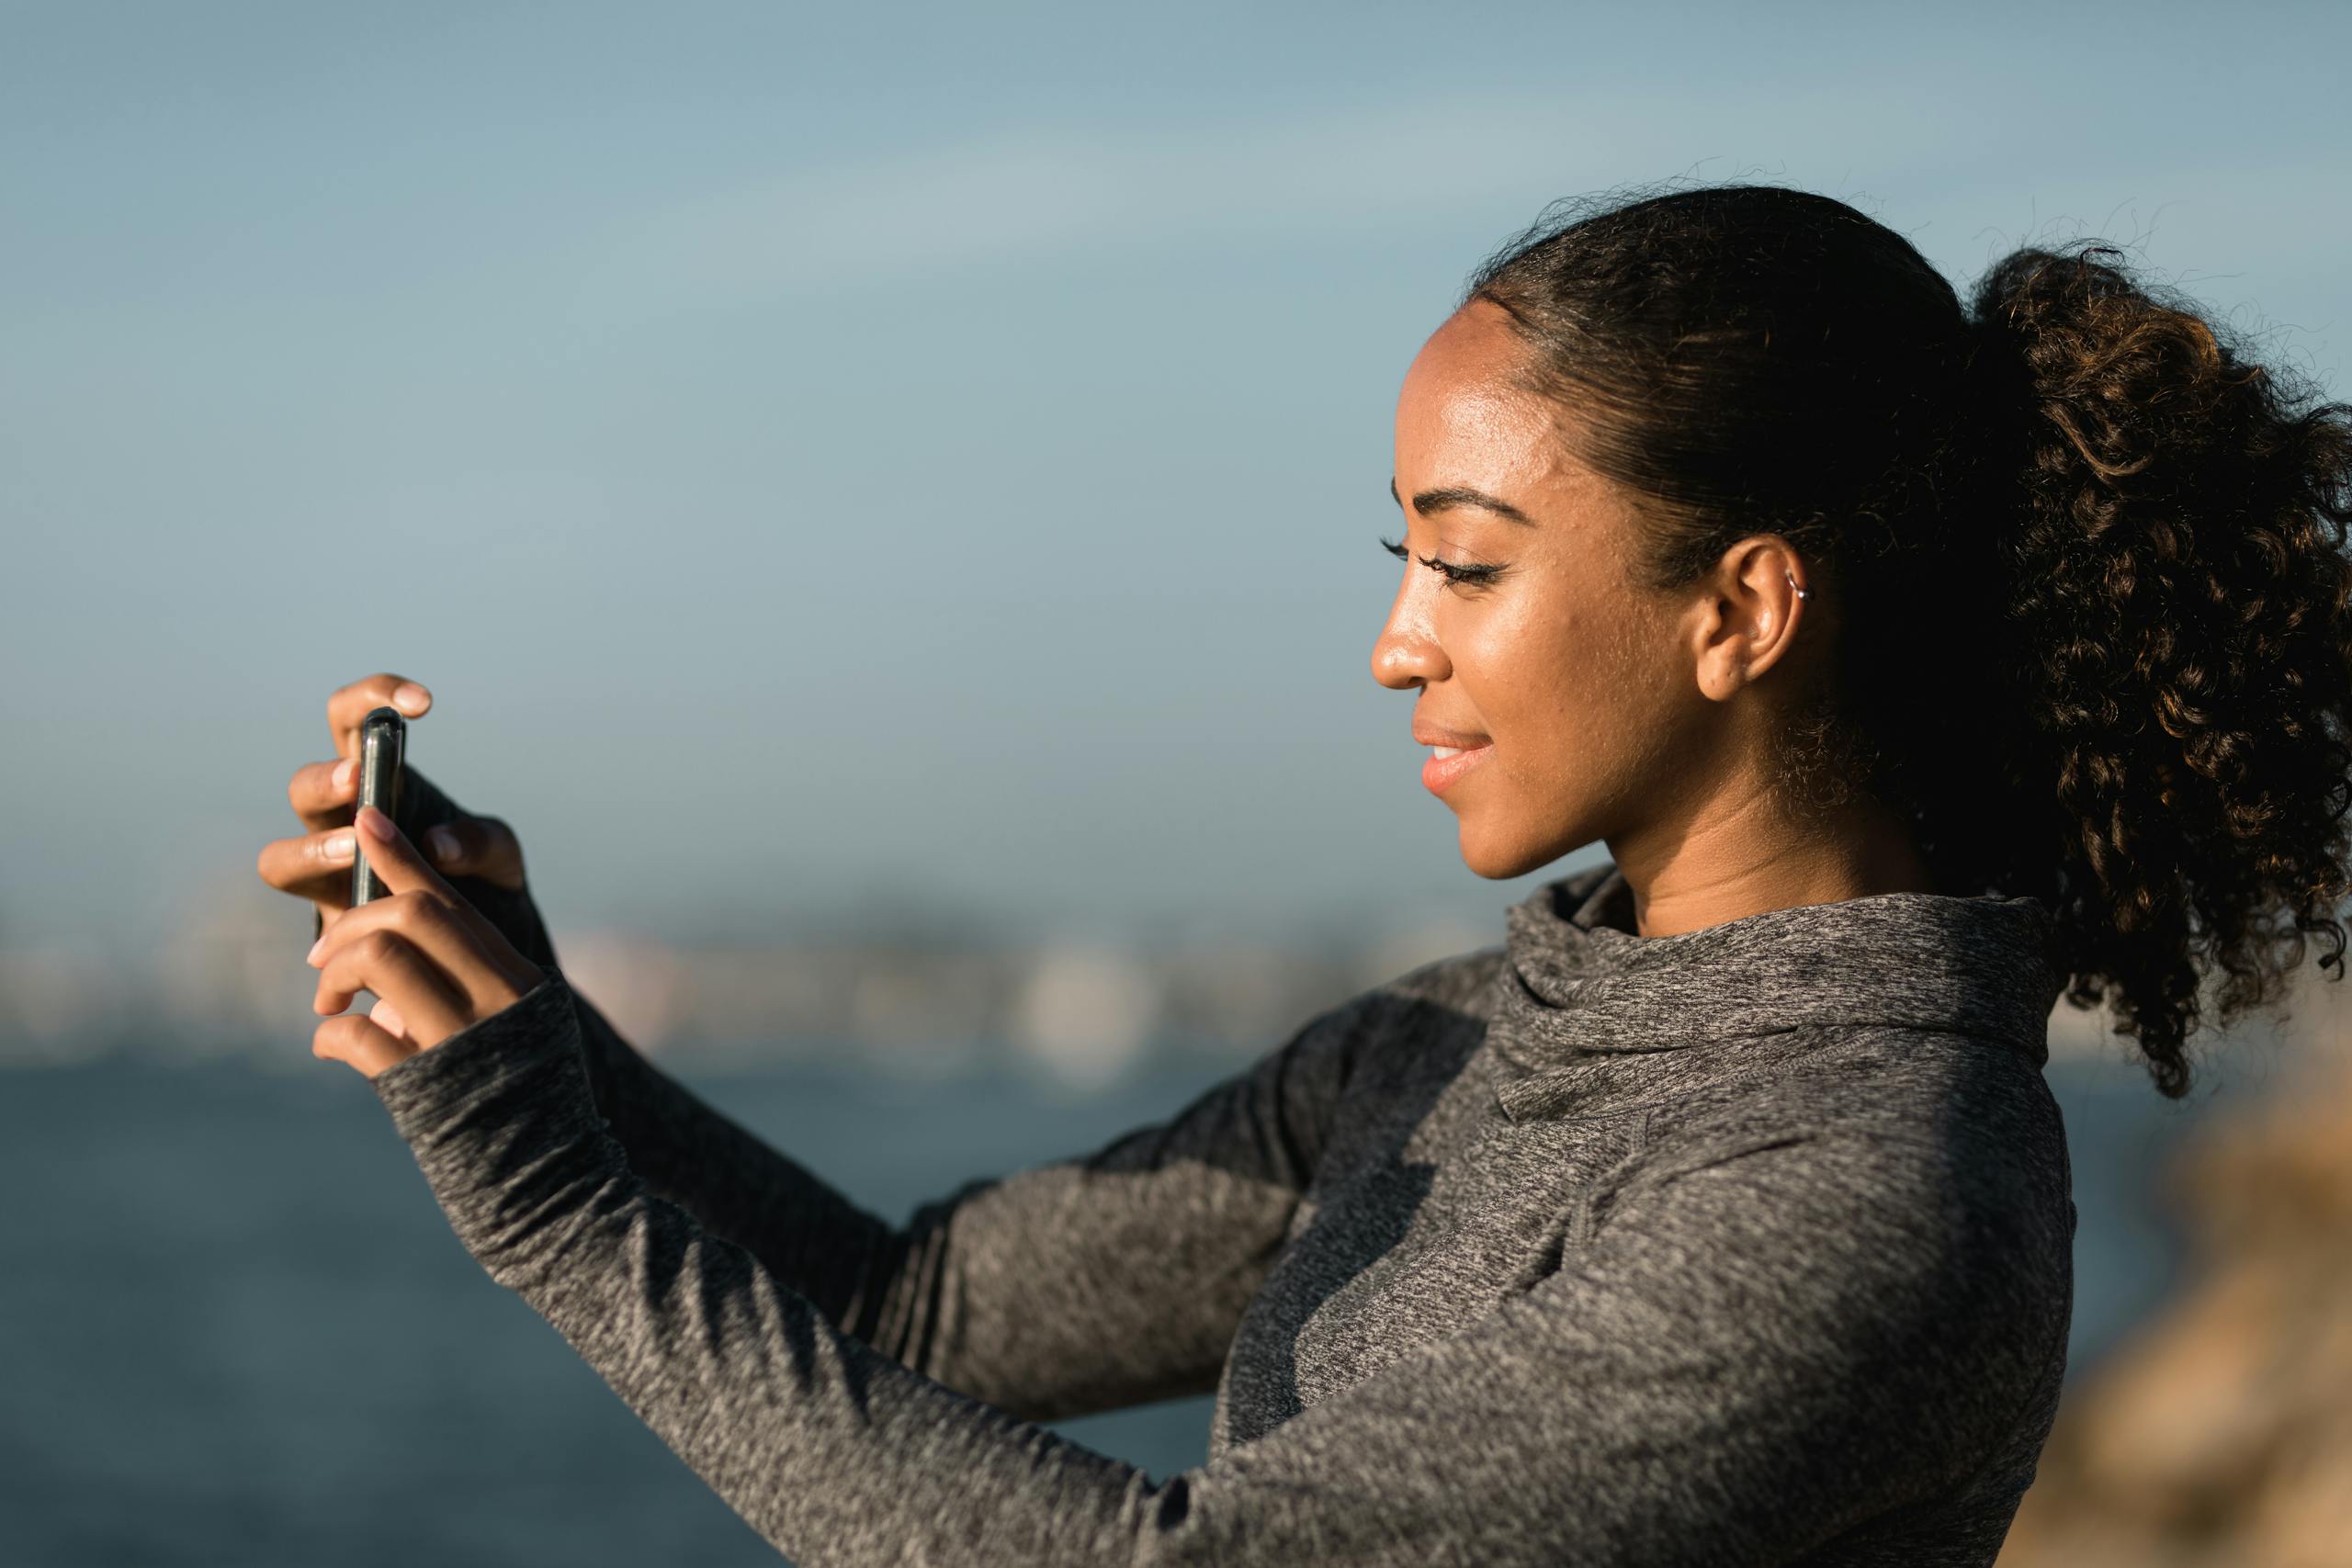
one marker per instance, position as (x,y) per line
(1463,418)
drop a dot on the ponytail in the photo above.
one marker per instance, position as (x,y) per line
(2180,576)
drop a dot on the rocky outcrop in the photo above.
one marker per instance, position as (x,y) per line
(2220,1435)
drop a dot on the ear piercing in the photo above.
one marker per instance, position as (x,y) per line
(1802,592)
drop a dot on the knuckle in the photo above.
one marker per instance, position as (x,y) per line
(429,915)
(380,946)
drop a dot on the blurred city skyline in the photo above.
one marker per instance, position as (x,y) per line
(896,459)
(1078,1013)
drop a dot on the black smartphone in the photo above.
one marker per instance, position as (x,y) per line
(383,737)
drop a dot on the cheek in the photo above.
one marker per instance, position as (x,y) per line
(1578,716)
(1536,678)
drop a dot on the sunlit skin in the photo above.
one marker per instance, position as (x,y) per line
(1638,720)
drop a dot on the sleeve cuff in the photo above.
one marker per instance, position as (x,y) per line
(524,1057)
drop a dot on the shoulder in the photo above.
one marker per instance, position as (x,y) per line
(1425,1020)
(1927,1165)
(1429,1019)
(1956,1110)
(1462,983)
(1887,1078)
(1449,991)
(1362,1046)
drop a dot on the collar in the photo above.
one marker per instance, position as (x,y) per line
(1579,991)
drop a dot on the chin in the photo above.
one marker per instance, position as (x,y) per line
(1498,845)
(1501,858)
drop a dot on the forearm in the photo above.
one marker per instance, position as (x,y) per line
(832,1449)
(845,1258)
(1095,1282)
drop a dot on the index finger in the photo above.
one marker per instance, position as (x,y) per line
(392,858)
(350,705)
(396,861)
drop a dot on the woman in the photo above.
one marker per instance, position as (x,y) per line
(1914,664)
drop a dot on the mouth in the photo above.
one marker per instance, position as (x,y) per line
(1439,736)
(1448,764)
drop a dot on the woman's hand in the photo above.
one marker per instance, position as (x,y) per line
(434,964)
(317,864)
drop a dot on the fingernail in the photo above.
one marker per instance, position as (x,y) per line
(375,824)
(337,848)
(312,958)
(343,772)
(410,696)
(444,843)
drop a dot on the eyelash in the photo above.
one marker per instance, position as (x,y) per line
(1473,576)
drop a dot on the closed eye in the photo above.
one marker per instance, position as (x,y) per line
(1454,572)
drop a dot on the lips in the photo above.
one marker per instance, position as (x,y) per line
(1449,762)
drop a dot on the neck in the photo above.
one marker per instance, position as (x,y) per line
(1755,860)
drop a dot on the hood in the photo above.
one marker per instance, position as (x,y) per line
(1579,991)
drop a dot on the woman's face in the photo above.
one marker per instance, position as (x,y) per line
(1571,688)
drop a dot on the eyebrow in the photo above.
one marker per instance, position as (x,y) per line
(1447,496)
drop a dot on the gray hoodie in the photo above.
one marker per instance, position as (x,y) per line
(1749,1244)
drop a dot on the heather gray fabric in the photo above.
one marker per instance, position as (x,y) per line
(1750,1244)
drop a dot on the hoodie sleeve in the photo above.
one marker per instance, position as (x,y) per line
(1746,1357)
(1089,1284)
(1107,1280)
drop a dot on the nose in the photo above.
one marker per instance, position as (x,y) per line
(1406,653)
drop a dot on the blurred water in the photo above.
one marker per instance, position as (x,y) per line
(239,1331)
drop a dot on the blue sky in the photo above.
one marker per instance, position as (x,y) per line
(924,456)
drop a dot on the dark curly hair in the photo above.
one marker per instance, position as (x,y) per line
(2086,584)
